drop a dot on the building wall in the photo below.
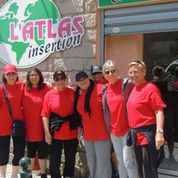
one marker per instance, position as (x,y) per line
(74,59)
(124,49)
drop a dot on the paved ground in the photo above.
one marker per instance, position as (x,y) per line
(167,167)
(34,173)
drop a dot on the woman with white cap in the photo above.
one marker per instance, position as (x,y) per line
(14,90)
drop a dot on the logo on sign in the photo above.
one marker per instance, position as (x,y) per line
(115,1)
(32,30)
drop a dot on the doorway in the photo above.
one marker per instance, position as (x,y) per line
(159,49)
(162,49)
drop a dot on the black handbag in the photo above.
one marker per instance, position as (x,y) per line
(18,126)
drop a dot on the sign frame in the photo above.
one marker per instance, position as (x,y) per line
(119,3)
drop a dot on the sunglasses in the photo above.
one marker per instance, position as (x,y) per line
(140,62)
(107,72)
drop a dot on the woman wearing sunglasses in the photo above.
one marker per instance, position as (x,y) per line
(95,134)
(60,102)
(113,102)
(146,118)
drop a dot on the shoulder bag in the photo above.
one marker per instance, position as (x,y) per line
(18,126)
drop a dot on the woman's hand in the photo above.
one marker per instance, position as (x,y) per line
(48,138)
(80,134)
(159,140)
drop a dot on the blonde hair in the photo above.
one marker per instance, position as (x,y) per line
(140,64)
(108,64)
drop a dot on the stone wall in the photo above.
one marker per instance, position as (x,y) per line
(74,59)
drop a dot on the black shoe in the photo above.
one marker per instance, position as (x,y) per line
(44,176)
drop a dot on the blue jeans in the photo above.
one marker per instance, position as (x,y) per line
(125,156)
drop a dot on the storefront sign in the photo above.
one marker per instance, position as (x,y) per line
(105,3)
(31,30)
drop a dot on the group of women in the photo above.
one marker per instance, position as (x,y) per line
(26,101)
(128,114)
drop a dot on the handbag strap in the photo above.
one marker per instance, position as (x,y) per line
(8,103)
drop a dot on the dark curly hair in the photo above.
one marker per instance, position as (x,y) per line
(41,81)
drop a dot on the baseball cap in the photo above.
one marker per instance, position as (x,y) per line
(81,75)
(9,68)
(95,69)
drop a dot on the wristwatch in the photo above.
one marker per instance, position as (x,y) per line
(159,130)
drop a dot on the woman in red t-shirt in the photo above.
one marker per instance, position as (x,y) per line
(113,99)
(15,93)
(145,115)
(88,101)
(34,93)
(59,102)
(97,75)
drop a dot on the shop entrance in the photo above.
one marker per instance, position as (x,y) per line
(155,49)
(147,32)
(160,49)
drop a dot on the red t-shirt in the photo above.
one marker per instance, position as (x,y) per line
(15,94)
(94,126)
(115,101)
(143,101)
(60,102)
(104,81)
(32,106)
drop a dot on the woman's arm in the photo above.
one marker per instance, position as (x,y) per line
(48,137)
(159,138)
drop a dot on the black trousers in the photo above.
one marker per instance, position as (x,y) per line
(18,149)
(143,160)
(41,147)
(70,149)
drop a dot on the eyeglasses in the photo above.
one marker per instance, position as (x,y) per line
(34,75)
(59,79)
(107,72)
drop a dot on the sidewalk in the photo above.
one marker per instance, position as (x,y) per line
(35,173)
(167,167)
